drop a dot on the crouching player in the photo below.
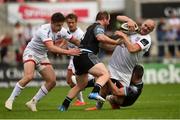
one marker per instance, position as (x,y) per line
(122,96)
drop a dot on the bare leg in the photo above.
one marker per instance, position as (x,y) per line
(29,68)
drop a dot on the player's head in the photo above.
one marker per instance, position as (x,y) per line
(104,17)
(137,74)
(57,21)
(147,27)
(71,20)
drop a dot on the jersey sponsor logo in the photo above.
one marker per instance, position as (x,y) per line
(144,42)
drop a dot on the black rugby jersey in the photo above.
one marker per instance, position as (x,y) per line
(89,41)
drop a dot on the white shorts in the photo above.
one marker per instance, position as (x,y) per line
(40,60)
(123,78)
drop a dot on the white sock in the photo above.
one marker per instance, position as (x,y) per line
(80,96)
(41,93)
(16,91)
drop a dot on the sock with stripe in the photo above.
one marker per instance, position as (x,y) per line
(66,102)
(41,93)
(16,91)
(97,88)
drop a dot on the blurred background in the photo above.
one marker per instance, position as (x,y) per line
(20,18)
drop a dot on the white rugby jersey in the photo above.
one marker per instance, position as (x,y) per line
(44,34)
(123,61)
(78,34)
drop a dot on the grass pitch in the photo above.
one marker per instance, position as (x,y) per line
(156,101)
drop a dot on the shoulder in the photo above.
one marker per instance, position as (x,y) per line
(146,38)
(44,29)
(99,29)
(63,29)
(79,30)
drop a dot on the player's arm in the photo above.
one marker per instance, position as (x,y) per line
(52,48)
(131,23)
(75,41)
(132,48)
(61,43)
(105,39)
(101,37)
(115,90)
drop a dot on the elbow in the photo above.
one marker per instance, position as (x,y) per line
(131,50)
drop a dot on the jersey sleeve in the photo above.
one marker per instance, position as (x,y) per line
(66,34)
(99,30)
(44,35)
(80,35)
(144,43)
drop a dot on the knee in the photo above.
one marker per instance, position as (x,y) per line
(70,83)
(28,77)
(107,75)
(53,83)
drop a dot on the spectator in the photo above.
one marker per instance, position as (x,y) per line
(172,33)
(161,33)
(5,41)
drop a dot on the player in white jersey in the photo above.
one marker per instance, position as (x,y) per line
(35,58)
(71,20)
(126,84)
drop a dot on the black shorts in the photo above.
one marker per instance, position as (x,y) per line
(84,62)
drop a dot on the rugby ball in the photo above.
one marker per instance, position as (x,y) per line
(124,28)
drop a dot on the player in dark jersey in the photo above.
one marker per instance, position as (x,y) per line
(126,95)
(88,62)
(119,95)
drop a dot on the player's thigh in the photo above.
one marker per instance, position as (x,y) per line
(29,68)
(99,70)
(48,73)
(82,80)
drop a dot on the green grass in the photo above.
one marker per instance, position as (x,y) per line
(156,101)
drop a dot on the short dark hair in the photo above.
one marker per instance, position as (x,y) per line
(72,16)
(57,17)
(102,15)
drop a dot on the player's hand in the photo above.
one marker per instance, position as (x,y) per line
(119,41)
(121,34)
(131,25)
(74,52)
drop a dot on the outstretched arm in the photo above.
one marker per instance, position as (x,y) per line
(52,48)
(105,39)
(131,23)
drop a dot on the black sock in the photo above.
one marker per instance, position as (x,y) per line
(97,88)
(91,83)
(66,102)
